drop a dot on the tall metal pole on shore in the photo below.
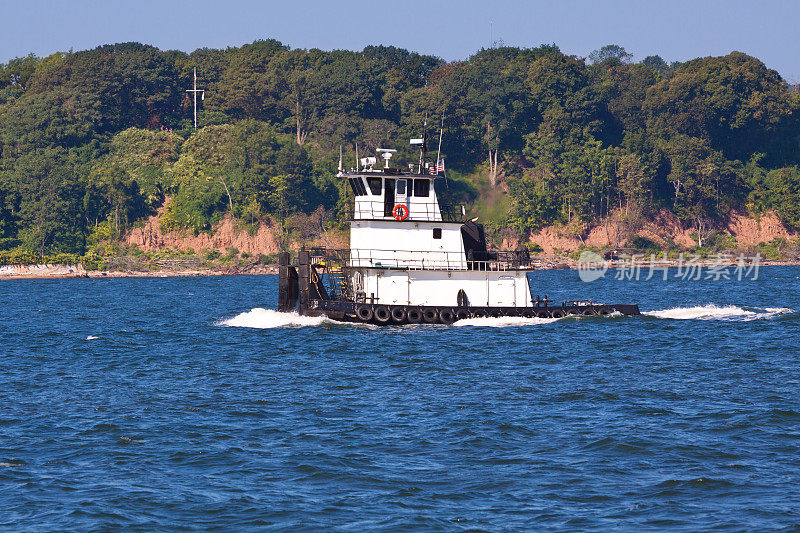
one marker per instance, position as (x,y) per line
(194,90)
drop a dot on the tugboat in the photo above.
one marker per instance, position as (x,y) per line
(413,259)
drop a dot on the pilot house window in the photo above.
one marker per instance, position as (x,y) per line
(437,233)
(358,186)
(375,186)
(422,187)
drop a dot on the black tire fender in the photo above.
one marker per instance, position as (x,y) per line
(382,314)
(447,316)
(414,315)
(364,312)
(399,314)
(430,315)
(462,314)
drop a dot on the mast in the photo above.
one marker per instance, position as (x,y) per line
(422,147)
(194,90)
(439,151)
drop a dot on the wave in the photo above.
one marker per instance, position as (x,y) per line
(92,338)
(504,321)
(259,318)
(510,321)
(715,312)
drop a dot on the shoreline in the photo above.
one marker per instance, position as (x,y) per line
(562,264)
(80,273)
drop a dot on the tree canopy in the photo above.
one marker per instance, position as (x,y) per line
(98,139)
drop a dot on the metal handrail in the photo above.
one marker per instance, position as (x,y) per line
(418,211)
(416,260)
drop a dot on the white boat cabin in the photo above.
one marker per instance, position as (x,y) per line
(407,248)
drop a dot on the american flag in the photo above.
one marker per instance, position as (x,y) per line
(437,168)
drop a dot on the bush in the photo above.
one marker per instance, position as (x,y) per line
(20,256)
(722,242)
(198,206)
(232,254)
(777,248)
(644,244)
(92,261)
(268,259)
(783,190)
(8,243)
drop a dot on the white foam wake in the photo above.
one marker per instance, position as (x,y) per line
(715,312)
(504,321)
(269,318)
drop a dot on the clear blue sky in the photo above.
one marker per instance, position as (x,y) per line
(673,29)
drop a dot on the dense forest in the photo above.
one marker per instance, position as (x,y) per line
(94,141)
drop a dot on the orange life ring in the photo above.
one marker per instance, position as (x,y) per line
(400,212)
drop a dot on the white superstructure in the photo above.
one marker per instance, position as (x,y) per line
(406,248)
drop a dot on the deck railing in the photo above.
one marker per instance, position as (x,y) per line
(429,260)
(418,211)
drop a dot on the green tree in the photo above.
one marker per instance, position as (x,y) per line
(611,54)
(783,185)
(247,87)
(46,199)
(122,196)
(734,102)
(656,64)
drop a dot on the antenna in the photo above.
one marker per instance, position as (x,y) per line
(422,146)
(386,154)
(340,159)
(439,151)
(194,90)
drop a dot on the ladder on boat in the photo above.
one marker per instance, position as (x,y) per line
(338,281)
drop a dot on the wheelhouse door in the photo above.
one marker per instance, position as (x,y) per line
(388,197)
(401,194)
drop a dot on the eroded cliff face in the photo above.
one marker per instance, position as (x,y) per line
(225,235)
(750,231)
(662,229)
(266,238)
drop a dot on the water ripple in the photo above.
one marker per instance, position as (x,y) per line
(127,404)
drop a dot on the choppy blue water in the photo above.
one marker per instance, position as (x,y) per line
(170,403)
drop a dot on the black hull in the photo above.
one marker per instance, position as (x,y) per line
(300,287)
(384,315)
